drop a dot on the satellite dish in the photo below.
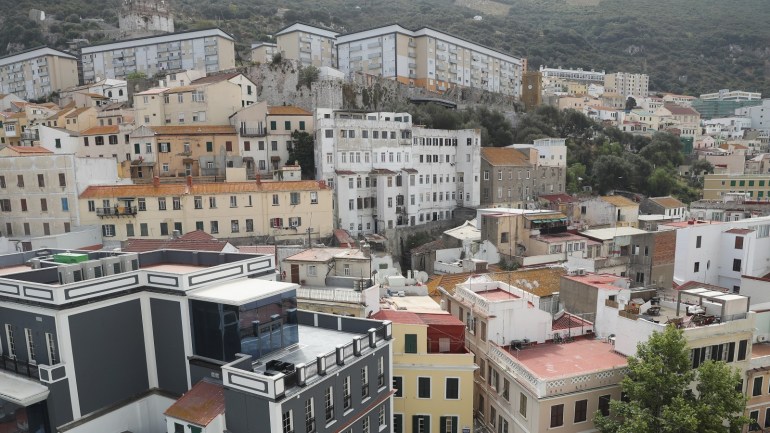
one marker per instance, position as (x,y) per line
(421,276)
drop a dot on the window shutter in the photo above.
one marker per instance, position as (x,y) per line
(454,424)
(299,221)
(136,148)
(415,423)
(442,424)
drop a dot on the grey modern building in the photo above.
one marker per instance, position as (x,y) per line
(95,339)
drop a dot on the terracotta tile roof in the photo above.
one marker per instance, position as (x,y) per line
(740,231)
(216,78)
(733,145)
(30,150)
(344,239)
(193,130)
(287,110)
(548,279)
(95,95)
(382,171)
(410,170)
(101,130)
(182,89)
(696,284)
(558,198)
(257,249)
(345,172)
(165,190)
(503,156)
(142,245)
(76,112)
(567,321)
(197,235)
(200,405)
(678,110)
(667,202)
(618,200)
(153,91)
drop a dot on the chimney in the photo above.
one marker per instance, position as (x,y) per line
(322,184)
(156,181)
(258,179)
(189,181)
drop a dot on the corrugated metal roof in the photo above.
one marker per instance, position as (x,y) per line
(200,405)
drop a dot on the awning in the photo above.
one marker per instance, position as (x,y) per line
(275,158)
(21,391)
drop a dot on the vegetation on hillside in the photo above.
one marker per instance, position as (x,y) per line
(686,46)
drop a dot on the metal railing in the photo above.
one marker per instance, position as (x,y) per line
(116,211)
(22,368)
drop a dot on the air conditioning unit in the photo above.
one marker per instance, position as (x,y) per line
(70,273)
(91,269)
(111,265)
(581,271)
(130,262)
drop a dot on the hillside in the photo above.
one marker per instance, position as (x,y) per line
(686,46)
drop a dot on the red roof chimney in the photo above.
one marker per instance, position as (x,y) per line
(258,179)
(189,181)
(155,181)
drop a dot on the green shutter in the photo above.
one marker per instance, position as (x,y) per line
(301,125)
(209,146)
(287,125)
(442,424)
(136,148)
(272,125)
(410,343)
(454,424)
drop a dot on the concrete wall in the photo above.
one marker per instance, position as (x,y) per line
(142,416)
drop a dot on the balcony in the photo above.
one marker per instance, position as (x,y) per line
(32,135)
(116,211)
(22,368)
(253,132)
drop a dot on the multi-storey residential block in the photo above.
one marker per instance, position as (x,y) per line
(38,72)
(734,95)
(432,369)
(750,186)
(40,190)
(280,210)
(210,50)
(514,177)
(627,84)
(308,44)
(387,172)
(263,52)
(281,369)
(429,59)
(757,114)
(265,134)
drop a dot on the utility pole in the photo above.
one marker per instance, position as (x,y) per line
(309,230)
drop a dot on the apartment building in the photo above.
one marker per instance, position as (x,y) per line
(205,101)
(263,52)
(430,59)
(667,206)
(154,311)
(627,84)
(432,369)
(312,46)
(40,190)
(280,210)
(515,177)
(520,386)
(751,186)
(685,119)
(388,173)
(757,115)
(38,72)
(265,134)
(608,211)
(210,50)
(731,95)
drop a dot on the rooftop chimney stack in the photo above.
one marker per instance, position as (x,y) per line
(258,179)
(189,181)
(156,181)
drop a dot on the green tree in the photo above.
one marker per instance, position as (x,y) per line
(659,399)
(660,183)
(307,76)
(611,172)
(302,153)
(576,174)
(701,167)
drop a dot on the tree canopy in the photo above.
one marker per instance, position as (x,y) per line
(658,392)
(302,152)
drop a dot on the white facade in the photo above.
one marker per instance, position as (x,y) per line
(572,74)
(710,253)
(627,84)
(552,152)
(59,140)
(759,115)
(414,176)
(734,95)
(210,50)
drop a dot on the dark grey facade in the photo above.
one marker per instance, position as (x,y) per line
(514,181)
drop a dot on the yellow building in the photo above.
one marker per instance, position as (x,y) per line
(37,73)
(263,52)
(310,45)
(432,370)
(752,186)
(280,210)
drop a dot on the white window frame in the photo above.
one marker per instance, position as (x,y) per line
(30,338)
(50,344)
(9,337)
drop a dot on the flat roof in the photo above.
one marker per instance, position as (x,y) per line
(156,39)
(21,391)
(313,340)
(613,232)
(174,268)
(581,356)
(241,291)
(497,295)
(414,304)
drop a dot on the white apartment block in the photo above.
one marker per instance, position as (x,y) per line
(429,59)
(572,74)
(37,73)
(759,115)
(731,95)
(388,173)
(310,45)
(209,50)
(627,84)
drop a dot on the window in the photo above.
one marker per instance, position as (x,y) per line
(176,203)
(604,405)
(24,205)
(10,338)
(212,202)
(364,382)
(294,198)
(506,385)
(737,265)
(234,227)
(295,222)
(581,411)
(452,390)
(757,386)
(141,204)
(143,230)
(739,242)
(523,405)
(249,225)
(398,387)
(178,428)
(161,203)
(30,346)
(286,422)
(313,197)
(448,424)
(130,230)
(557,415)
(108,230)
(2,182)
(742,345)
(346,269)
(20,181)
(754,420)
(309,416)
(328,402)
(198,201)
(381,372)
(62,179)
(698,241)
(164,229)
(276,223)
(423,387)
(381,416)
(50,345)
(365,425)
(696,267)
(410,343)
(273,126)
(421,424)
(233,201)
(41,181)
(214,227)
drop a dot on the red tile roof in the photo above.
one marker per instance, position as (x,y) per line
(558,198)
(163,190)
(740,231)
(197,235)
(668,202)
(696,284)
(101,130)
(194,130)
(257,249)
(30,150)
(678,110)
(344,239)
(200,405)
(142,245)
(498,156)
(215,78)
(287,110)
(567,321)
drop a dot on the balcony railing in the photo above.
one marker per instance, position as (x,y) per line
(22,368)
(253,132)
(116,211)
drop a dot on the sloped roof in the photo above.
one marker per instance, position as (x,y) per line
(193,130)
(287,110)
(618,200)
(30,150)
(178,189)
(257,249)
(141,245)
(196,235)
(182,89)
(216,78)
(101,130)
(567,321)
(557,198)
(667,202)
(438,244)
(200,405)
(678,110)
(504,156)
(76,112)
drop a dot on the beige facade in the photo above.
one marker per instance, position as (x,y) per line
(37,73)
(279,210)
(626,84)
(263,52)
(754,186)
(312,46)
